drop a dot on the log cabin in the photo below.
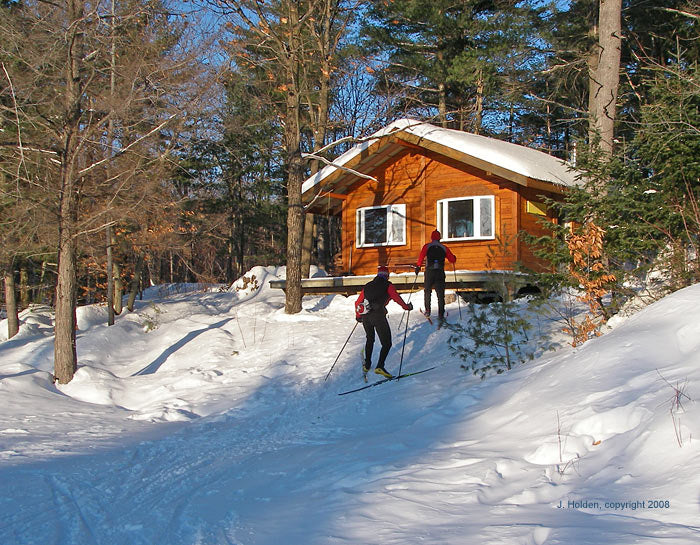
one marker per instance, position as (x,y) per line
(394,188)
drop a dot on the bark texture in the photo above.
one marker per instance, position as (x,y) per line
(604,70)
(11,305)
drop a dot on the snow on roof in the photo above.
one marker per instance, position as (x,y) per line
(511,157)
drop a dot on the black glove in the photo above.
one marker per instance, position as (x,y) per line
(358,319)
(410,307)
(416,269)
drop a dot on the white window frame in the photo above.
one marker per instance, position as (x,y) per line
(443,217)
(395,212)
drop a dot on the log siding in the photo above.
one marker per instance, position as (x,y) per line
(419,179)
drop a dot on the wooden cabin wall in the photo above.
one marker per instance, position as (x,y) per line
(400,182)
(419,179)
(532,223)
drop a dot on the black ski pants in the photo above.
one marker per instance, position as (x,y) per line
(376,322)
(435,278)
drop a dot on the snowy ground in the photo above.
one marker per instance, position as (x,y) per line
(203,418)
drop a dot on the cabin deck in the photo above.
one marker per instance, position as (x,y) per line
(461,281)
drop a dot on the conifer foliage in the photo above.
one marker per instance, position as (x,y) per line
(637,210)
(492,339)
(457,61)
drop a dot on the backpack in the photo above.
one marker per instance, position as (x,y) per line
(375,292)
(435,257)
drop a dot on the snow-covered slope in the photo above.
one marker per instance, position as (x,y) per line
(203,418)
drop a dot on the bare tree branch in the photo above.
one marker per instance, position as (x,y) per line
(127,148)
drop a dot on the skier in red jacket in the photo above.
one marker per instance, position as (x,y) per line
(370,309)
(435,252)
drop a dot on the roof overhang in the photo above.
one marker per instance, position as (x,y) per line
(486,166)
(325,192)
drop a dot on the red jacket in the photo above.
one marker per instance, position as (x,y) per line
(392,295)
(448,253)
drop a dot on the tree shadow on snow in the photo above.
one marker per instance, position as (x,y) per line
(160,360)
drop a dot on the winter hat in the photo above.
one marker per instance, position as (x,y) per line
(383,270)
(435,235)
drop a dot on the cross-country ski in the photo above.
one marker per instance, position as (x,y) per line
(427,316)
(382,381)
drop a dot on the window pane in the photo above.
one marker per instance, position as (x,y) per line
(375,226)
(485,219)
(460,219)
(398,223)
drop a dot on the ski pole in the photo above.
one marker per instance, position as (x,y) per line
(459,304)
(403,347)
(404,344)
(341,351)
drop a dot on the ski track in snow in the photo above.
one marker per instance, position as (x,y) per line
(216,427)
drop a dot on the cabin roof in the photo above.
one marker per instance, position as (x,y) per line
(526,166)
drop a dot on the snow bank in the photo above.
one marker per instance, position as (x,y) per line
(216,426)
(34,321)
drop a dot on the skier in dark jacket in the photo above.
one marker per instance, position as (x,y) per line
(370,309)
(435,252)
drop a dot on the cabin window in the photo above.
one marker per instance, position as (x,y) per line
(381,226)
(537,208)
(467,218)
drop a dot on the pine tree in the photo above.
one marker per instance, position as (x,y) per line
(494,338)
(451,61)
(244,198)
(280,41)
(646,197)
(658,181)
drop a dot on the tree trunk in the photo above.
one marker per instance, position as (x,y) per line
(325,46)
(240,251)
(442,104)
(108,153)
(478,120)
(511,122)
(240,246)
(118,290)
(65,357)
(604,76)
(43,289)
(295,166)
(11,304)
(110,278)
(135,281)
(229,250)
(146,277)
(307,245)
(322,230)
(295,227)
(24,290)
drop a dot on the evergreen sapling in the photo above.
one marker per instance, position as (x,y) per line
(494,337)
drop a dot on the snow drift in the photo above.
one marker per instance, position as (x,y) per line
(203,418)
